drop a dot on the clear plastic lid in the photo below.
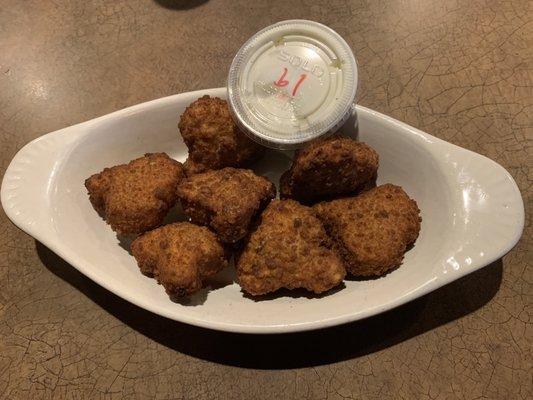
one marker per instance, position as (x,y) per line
(292,82)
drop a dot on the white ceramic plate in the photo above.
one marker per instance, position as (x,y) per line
(471,208)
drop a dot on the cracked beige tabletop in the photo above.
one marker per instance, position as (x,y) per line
(460,70)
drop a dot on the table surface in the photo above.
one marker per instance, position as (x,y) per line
(460,70)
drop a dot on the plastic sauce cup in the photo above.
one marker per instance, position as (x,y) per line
(292,82)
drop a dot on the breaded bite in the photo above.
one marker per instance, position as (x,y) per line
(373,230)
(289,249)
(328,168)
(181,256)
(226,200)
(213,139)
(135,197)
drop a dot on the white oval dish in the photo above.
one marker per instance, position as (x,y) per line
(471,207)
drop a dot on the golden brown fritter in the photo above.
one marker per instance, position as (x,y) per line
(135,197)
(373,230)
(213,139)
(289,249)
(328,168)
(226,200)
(181,256)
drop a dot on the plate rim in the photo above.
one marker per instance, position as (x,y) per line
(59,137)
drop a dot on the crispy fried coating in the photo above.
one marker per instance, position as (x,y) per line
(226,200)
(328,168)
(135,197)
(181,256)
(213,139)
(289,249)
(373,230)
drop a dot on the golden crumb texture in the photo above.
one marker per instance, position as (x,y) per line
(213,138)
(181,256)
(373,230)
(329,168)
(289,249)
(226,200)
(135,197)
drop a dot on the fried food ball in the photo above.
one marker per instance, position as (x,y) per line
(181,256)
(328,168)
(226,200)
(213,139)
(373,230)
(135,197)
(289,249)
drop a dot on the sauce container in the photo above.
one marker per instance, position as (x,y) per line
(293,82)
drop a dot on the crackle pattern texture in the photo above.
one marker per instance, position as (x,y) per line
(461,70)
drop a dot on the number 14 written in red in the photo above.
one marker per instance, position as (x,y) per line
(282,82)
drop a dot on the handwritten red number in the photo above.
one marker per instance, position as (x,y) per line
(281,82)
(300,81)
